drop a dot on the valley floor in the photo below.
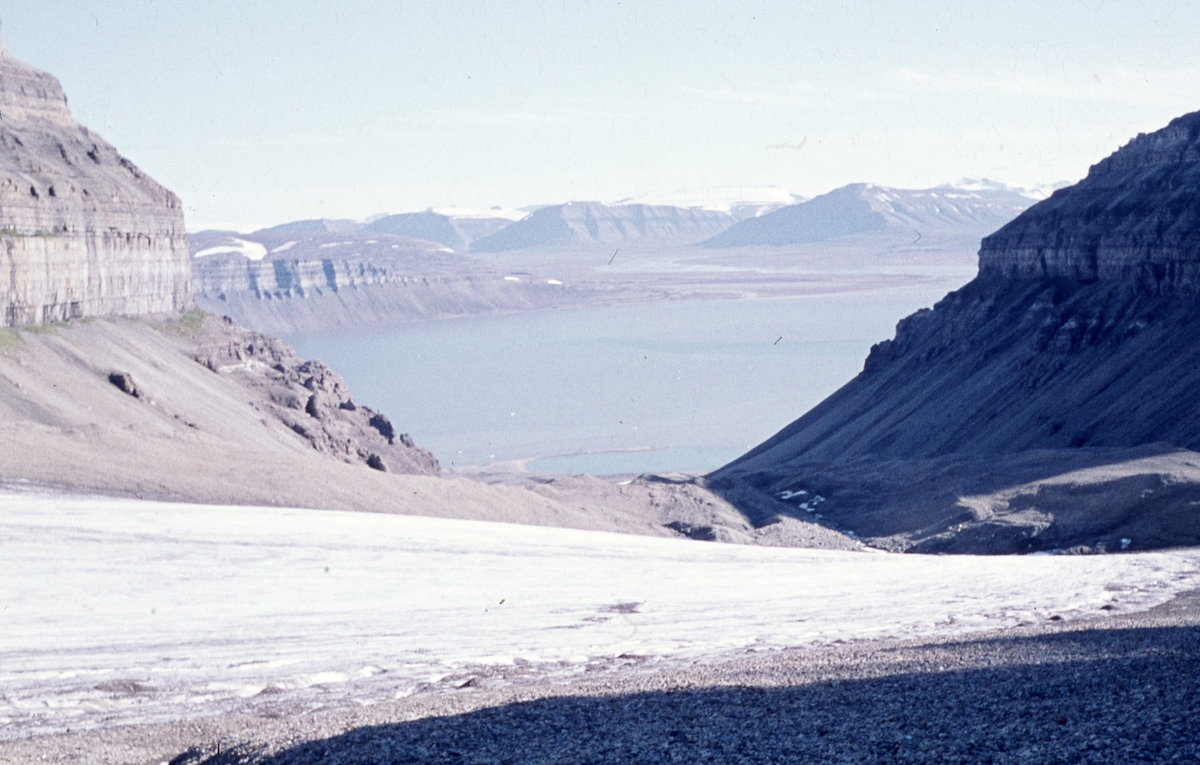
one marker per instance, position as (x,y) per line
(176,627)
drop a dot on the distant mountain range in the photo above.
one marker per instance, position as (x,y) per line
(577,224)
(714,218)
(739,202)
(314,226)
(455,232)
(450,229)
(973,208)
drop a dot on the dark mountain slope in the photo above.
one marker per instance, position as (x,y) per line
(1080,335)
(1003,366)
(1135,219)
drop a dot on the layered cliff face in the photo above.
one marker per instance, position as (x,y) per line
(295,281)
(297,264)
(83,231)
(1135,219)
(1075,343)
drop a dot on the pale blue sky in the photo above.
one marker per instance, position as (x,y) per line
(260,112)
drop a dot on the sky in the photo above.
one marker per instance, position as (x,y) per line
(261,112)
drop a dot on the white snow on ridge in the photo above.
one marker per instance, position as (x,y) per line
(480,212)
(205,606)
(1038,193)
(251,250)
(724,199)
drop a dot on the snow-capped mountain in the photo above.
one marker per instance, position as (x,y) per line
(313,226)
(740,202)
(452,227)
(973,208)
(454,231)
(580,224)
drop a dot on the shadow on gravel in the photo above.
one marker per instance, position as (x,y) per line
(1081,697)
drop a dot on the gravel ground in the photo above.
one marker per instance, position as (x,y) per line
(1120,689)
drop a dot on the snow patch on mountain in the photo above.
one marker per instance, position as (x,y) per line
(737,201)
(970,208)
(244,247)
(583,224)
(460,213)
(455,232)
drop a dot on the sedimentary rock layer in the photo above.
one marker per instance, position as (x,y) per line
(83,231)
(297,282)
(1134,219)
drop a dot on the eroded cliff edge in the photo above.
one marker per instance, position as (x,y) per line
(1049,403)
(83,231)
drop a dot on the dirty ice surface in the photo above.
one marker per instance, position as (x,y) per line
(116,611)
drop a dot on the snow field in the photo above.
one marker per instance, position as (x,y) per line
(250,250)
(125,610)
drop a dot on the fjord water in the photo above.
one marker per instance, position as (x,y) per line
(683,385)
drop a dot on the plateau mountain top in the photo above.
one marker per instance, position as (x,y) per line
(83,231)
(1048,404)
(458,232)
(739,202)
(586,224)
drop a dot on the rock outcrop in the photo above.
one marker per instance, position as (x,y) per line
(314,402)
(83,231)
(1076,343)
